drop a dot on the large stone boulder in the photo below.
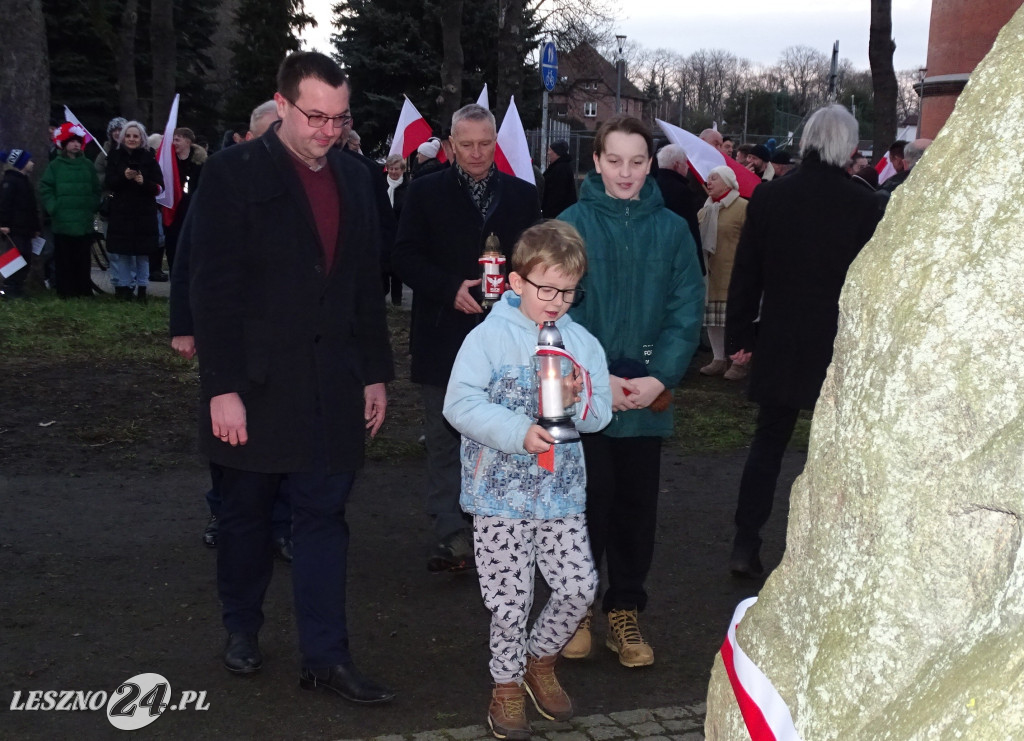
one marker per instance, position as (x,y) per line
(898,609)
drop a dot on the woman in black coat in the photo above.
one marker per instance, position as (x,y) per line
(801,234)
(134,180)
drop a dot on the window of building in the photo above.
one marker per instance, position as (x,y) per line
(590,109)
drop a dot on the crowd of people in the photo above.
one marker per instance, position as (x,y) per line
(277,255)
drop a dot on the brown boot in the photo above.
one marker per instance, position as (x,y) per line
(542,686)
(507,714)
(579,645)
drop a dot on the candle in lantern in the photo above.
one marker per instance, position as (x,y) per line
(551,404)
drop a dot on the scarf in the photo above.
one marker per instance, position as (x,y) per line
(709,224)
(481,191)
(392,187)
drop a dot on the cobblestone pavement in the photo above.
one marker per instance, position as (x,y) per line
(680,723)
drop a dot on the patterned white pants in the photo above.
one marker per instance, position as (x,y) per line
(508,551)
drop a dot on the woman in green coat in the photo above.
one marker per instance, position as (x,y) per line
(644,302)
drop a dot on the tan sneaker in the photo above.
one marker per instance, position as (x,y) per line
(715,368)
(507,714)
(579,645)
(737,372)
(624,638)
(542,686)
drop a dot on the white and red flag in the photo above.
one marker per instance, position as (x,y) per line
(411,131)
(704,158)
(884,167)
(170,196)
(72,118)
(484,100)
(11,262)
(512,153)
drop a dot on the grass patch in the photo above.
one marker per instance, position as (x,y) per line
(48,329)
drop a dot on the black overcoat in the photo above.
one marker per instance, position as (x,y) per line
(297,343)
(441,236)
(559,187)
(801,234)
(132,224)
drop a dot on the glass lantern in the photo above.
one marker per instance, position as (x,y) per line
(553,374)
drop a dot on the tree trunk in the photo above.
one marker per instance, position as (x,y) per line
(162,47)
(883,75)
(24,79)
(510,52)
(127,88)
(451,67)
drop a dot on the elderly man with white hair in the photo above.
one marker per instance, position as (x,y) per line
(801,235)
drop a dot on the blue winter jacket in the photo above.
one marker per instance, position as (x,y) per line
(488,401)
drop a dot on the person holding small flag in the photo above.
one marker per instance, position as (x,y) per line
(19,215)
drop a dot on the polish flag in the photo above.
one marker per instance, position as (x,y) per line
(512,153)
(484,101)
(411,131)
(72,118)
(11,262)
(884,169)
(170,196)
(703,158)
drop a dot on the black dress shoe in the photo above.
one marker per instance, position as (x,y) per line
(746,566)
(283,549)
(242,653)
(158,277)
(210,533)
(345,680)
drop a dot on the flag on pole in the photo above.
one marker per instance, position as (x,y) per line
(703,158)
(512,153)
(484,100)
(170,196)
(411,131)
(11,262)
(71,118)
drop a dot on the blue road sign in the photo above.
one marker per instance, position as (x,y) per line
(549,65)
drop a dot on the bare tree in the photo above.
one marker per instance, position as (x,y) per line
(804,72)
(572,22)
(162,48)
(24,78)
(510,49)
(124,61)
(907,100)
(451,67)
(883,76)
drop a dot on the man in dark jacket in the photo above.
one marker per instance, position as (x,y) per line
(559,181)
(293,354)
(674,184)
(446,219)
(801,234)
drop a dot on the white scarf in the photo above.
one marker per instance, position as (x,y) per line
(709,224)
(392,186)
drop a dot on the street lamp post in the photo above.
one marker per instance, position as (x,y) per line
(618,71)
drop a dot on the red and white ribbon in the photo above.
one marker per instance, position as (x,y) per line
(764,711)
(588,389)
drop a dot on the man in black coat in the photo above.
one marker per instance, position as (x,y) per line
(293,352)
(446,219)
(801,234)
(674,184)
(559,181)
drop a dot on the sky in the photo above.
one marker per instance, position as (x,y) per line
(757,30)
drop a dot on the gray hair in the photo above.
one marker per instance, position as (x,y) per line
(669,154)
(473,112)
(260,112)
(133,125)
(832,133)
(395,159)
(913,151)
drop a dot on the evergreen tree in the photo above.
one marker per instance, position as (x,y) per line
(266,34)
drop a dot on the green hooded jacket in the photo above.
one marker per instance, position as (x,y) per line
(644,290)
(70,192)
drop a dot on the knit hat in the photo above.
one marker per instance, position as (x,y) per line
(430,147)
(116,123)
(17,158)
(728,176)
(761,152)
(560,147)
(66,132)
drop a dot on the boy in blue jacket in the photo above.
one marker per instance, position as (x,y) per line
(528,511)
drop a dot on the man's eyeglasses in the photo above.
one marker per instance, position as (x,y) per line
(571,296)
(318,120)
